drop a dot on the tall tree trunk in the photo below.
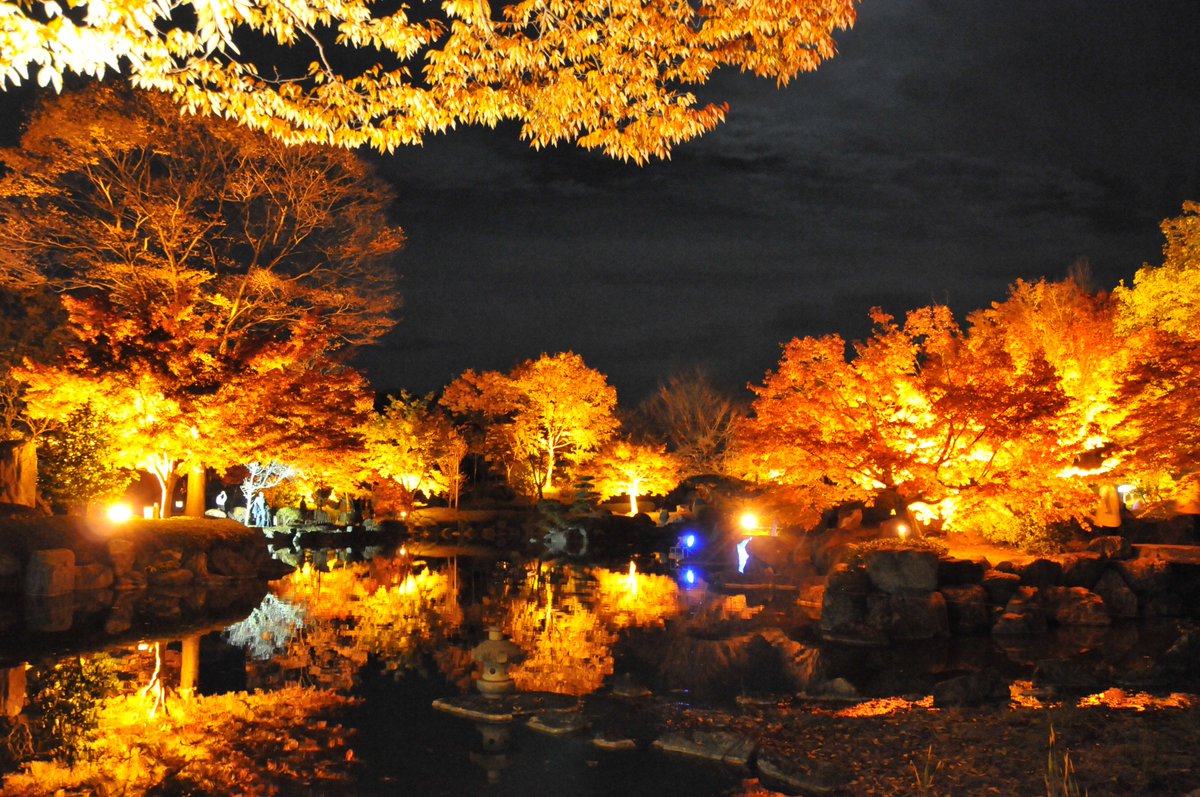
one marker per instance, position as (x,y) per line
(632,500)
(196,483)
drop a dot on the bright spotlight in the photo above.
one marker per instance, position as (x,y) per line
(689,541)
(749,521)
(689,577)
(119,513)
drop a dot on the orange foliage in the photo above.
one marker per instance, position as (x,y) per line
(1162,386)
(543,411)
(632,469)
(921,409)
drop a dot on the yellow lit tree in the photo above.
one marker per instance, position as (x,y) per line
(413,443)
(611,75)
(632,469)
(541,413)
(1161,391)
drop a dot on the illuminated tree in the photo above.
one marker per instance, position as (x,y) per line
(1072,328)
(1161,391)
(624,468)
(541,413)
(31,319)
(148,429)
(694,419)
(921,411)
(209,272)
(414,444)
(609,75)
(1163,297)
(75,461)
(206,241)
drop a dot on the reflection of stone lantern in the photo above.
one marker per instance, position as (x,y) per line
(496,654)
(494,755)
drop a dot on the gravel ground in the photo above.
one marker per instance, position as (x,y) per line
(1128,746)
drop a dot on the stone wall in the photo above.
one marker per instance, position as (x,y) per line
(902,595)
(109,587)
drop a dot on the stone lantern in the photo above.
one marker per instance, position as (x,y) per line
(496,654)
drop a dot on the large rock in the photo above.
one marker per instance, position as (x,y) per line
(972,689)
(908,616)
(844,600)
(967,608)
(1111,546)
(1146,576)
(1023,614)
(801,665)
(723,746)
(121,555)
(10,572)
(1082,569)
(18,473)
(902,570)
(92,577)
(1075,606)
(805,778)
(1040,573)
(955,572)
(226,562)
(50,572)
(1000,586)
(175,577)
(1119,600)
(49,614)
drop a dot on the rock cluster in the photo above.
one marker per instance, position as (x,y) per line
(904,594)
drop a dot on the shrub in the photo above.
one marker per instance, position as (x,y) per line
(288,516)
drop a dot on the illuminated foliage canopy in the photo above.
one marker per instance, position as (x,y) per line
(416,445)
(541,412)
(608,74)
(624,468)
(921,410)
(210,277)
(1161,315)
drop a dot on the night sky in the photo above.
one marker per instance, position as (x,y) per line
(952,147)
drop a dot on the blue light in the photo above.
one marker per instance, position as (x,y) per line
(689,541)
(689,576)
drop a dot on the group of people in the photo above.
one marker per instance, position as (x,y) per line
(259,512)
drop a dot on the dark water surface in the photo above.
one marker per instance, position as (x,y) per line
(395,633)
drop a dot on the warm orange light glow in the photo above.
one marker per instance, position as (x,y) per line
(1135,701)
(885,706)
(635,599)
(749,521)
(902,530)
(632,580)
(120,513)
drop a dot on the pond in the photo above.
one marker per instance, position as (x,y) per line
(325,681)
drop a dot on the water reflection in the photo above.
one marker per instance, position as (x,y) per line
(138,716)
(566,620)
